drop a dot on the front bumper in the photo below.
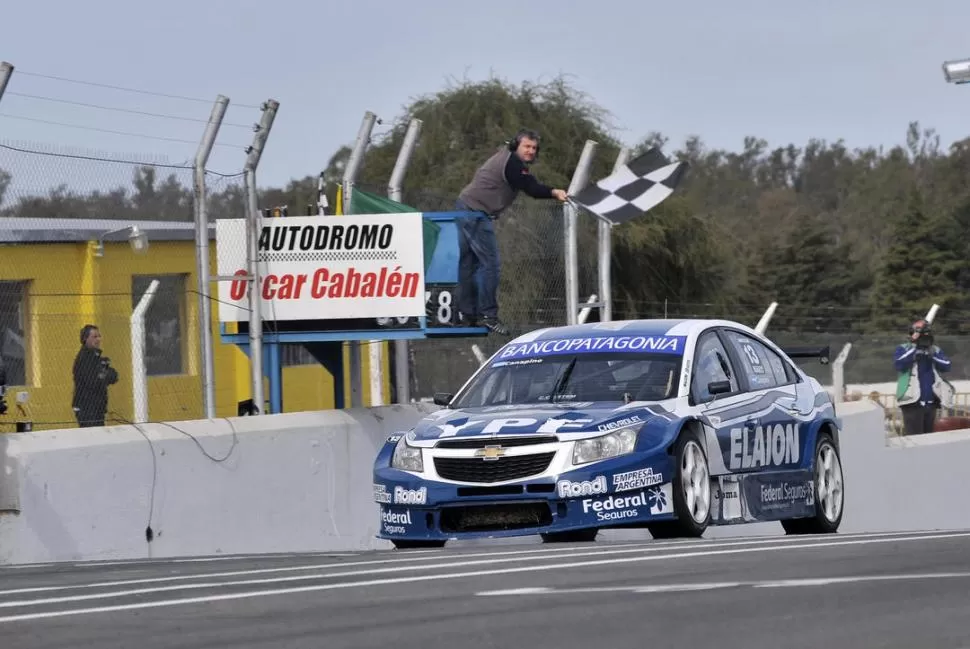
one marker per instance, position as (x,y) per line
(628,491)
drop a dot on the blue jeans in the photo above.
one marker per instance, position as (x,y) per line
(478,265)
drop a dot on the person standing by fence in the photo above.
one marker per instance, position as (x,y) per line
(920,387)
(92,376)
(491,191)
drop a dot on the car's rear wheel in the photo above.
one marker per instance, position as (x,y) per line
(404,544)
(691,491)
(829,493)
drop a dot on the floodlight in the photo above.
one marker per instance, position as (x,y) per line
(137,239)
(957,71)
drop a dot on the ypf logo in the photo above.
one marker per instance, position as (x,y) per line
(568,489)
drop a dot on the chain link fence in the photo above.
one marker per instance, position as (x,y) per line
(532,295)
(532,284)
(70,259)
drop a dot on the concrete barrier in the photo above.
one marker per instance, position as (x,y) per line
(301,482)
(278,483)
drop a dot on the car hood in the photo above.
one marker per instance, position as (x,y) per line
(567,421)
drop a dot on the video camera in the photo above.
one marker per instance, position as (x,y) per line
(924,334)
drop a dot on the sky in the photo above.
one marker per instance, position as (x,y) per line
(856,70)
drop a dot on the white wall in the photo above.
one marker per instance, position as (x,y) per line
(294,482)
(305,485)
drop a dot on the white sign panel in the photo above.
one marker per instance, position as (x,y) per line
(325,267)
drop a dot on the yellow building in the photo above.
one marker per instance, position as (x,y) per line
(55,277)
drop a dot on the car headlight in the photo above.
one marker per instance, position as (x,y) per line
(619,442)
(407,457)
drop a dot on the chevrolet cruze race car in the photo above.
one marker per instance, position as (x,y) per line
(671,425)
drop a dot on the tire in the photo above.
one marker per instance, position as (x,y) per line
(402,544)
(573,536)
(691,491)
(829,492)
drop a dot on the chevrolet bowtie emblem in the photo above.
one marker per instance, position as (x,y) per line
(490,452)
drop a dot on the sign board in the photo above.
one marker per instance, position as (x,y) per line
(326,267)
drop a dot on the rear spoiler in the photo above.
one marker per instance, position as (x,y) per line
(821,353)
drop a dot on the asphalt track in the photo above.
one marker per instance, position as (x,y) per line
(881,590)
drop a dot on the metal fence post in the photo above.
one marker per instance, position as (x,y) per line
(253,220)
(6,71)
(766,317)
(605,253)
(402,374)
(838,374)
(139,369)
(570,217)
(350,177)
(202,254)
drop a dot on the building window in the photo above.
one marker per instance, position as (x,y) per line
(164,323)
(294,354)
(13,330)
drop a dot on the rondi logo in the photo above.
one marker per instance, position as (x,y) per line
(568,489)
(404,496)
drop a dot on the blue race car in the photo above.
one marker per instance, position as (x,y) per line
(672,425)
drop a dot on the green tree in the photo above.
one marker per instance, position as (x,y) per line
(920,268)
(812,275)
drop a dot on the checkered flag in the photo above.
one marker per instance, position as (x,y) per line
(637,187)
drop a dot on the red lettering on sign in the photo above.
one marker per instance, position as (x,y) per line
(237,289)
(324,283)
(354,284)
(283,287)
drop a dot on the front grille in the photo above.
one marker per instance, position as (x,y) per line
(489,518)
(505,442)
(474,469)
(507,490)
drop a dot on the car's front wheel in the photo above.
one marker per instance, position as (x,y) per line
(691,491)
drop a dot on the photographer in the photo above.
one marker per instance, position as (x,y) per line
(92,376)
(920,389)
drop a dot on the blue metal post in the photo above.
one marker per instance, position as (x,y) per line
(273,362)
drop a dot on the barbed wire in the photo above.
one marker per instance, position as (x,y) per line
(93,158)
(96,84)
(113,132)
(131,111)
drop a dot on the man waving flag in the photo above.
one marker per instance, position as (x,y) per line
(635,188)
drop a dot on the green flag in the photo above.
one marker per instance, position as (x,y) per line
(362,202)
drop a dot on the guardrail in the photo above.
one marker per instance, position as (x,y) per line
(302,482)
(956,417)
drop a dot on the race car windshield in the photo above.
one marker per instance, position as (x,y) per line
(595,377)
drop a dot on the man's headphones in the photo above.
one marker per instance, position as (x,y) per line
(525,133)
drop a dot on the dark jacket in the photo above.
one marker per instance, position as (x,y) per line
(92,376)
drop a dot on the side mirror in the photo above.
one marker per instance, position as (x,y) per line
(442,398)
(719,387)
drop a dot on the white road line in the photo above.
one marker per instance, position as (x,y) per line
(235,557)
(305,567)
(553,552)
(825,581)
(458,575)
(162,561)
(355,573)
(692,586)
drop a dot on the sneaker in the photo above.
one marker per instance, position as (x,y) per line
(495,325)
(466,320)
